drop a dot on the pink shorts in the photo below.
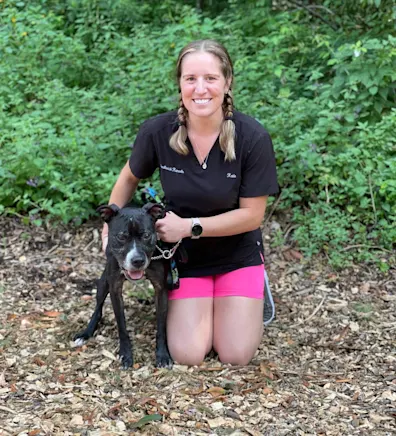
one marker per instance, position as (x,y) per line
(244,282)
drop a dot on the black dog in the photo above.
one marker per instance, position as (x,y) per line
(132,242)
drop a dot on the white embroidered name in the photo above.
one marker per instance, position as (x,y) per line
(231,176)
(172,170)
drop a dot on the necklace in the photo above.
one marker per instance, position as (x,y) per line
(204,163)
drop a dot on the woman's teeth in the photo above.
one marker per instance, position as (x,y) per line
(202,101)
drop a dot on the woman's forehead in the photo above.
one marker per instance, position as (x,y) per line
(200,63)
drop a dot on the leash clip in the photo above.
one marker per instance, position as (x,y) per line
(167,254)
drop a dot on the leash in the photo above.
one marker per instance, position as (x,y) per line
(166,254)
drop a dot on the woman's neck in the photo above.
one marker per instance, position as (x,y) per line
(205,125)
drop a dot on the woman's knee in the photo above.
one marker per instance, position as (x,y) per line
(187,354)
(234,355)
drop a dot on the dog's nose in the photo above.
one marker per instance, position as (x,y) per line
(138,262)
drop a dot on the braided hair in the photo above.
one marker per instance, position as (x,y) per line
(227,131)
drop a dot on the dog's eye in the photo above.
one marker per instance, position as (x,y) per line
(146,236)
(122,237)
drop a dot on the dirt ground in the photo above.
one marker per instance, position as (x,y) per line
(326,365)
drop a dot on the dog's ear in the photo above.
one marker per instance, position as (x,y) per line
(107,212)
(156,210)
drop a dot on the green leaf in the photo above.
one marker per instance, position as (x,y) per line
(146,420)
(278,71)
(373,90)
(284,93)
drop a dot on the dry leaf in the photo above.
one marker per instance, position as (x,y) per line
(216,422)
(76,421)
(265,371)
(216,391)
(109,355)
(52,313)
(3,380)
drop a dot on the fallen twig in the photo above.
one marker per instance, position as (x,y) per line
(375,247)
(312,314)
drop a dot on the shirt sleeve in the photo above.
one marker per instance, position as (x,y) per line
(144,159)
(259,170)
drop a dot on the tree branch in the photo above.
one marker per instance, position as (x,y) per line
(314,13)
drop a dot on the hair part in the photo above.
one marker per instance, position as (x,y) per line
(227,131)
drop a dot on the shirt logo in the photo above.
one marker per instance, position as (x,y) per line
(231,176)
(172,169)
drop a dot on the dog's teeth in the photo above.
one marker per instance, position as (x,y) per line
(79,342)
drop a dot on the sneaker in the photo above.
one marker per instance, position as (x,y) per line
(269,305)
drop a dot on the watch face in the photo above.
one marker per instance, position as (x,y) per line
(196,230)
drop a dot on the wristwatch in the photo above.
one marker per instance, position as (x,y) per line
(196,228)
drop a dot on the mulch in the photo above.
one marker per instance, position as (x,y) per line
(325,366)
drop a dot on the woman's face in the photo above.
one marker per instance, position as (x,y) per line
(202,85)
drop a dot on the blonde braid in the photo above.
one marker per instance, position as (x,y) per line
(227,131)
(178,140)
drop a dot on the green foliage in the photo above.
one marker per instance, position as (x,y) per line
(78,77)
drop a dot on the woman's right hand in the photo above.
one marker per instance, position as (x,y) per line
(105,237)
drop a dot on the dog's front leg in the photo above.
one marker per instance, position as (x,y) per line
(156,273)
(163,357)
(118,307)
(103,290)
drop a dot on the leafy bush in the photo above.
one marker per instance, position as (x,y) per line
(78,77)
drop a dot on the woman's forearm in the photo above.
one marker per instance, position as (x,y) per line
(229,223)
(124,188)
(248,217)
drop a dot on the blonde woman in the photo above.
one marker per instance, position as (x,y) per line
(217,169)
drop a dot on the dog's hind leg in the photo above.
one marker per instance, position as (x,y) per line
(102,292)
(117,301)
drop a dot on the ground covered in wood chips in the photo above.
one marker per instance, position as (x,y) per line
(326,365)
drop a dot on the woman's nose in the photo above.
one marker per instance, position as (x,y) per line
(200,86)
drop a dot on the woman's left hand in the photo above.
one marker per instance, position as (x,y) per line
(172,228)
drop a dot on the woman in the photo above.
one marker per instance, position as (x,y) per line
(217,168)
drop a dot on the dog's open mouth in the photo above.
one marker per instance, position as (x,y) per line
(133,275)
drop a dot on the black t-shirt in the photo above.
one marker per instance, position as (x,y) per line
(191,191)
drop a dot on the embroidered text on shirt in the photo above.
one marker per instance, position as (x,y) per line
(231,176)
(172,170)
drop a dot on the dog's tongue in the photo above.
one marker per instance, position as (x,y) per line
(135,275)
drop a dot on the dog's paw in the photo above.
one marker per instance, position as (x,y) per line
(126,357)
(81,338)
(164,360)
(79,342)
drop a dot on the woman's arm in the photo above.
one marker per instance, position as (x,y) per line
(123,190)
(124,187)
(248,217)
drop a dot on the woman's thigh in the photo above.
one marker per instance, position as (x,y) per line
(238,314)
(237,328)
(190,329)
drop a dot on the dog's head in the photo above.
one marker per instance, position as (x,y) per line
(132,236)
